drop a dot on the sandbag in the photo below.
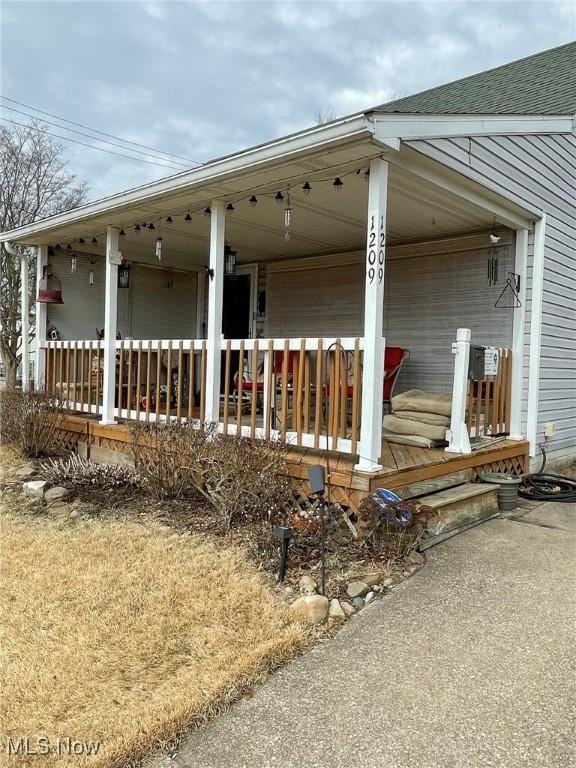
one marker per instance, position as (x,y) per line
(408,427)
(427,418)
(422,402)
(421,442)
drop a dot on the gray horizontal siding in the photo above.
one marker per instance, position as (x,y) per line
(540,170)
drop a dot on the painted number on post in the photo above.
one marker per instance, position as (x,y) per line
(376,245)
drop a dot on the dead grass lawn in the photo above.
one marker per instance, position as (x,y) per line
(115,633)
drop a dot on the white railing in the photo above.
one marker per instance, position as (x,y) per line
(306,391)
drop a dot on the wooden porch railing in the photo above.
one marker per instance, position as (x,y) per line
(489,400)
(305,391)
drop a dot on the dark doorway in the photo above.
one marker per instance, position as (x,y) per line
(236,317)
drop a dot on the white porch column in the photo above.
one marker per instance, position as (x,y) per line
(457,435)
(520,267)
(214,327)
(41,320)
(24,322)
(113,260)
(370,444)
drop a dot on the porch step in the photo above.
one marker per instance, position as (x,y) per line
(459,508)
(434,484)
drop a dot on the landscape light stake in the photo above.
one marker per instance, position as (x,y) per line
(283,534)
(317,487)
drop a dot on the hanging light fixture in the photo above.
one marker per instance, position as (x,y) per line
(187,218)
(91,274)
(50,289)
(73,265)
(69,247)
(159,248)
(81,241)
(122,233)
(229,260)
(207,212)
(338,184)
(151,226)
(230,209)
(169,219)
(124,275)
(279,197)
(306,188)
(287,217)
(253,201)
(94,241)
(137,228)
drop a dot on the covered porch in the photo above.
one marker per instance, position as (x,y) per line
(264,299)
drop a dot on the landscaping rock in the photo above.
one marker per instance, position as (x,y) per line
(392,581)
(371,579)
(74,514)
(335,610)
(311,609)
(358,603)
(25,474)
(35,488)
(348,608)
(357,589)
(369,597)
(410,571)
(308,586)
(416,558)
(56,494)
(165,530)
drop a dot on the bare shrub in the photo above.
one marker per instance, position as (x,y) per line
(79,471)
(243,480)
(30,421)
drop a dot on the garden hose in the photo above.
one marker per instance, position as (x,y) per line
(541,486)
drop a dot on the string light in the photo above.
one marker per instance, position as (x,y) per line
(151,226)
(188,218)
(279,197)
(253,201)
(306,188)
(73,265)
(159,249)
(287,217)
(94,241)
(169,219)
(137,228)
(81,241)
(338,184)
(69,247)
(122,233)
(207,212)
(230,209)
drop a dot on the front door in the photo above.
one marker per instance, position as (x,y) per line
(236,316)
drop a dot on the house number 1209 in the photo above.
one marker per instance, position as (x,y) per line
(376,243)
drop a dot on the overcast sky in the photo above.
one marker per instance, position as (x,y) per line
(202,79)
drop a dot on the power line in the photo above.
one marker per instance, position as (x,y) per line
(91,146)
(88,136)
(102,133)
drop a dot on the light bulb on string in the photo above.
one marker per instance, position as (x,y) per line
(169,219)
(279,197)
(81,241)
(207,212)
(253,201)
(151,226)
(159,249)
(306,188)
(94,241)
(122,233)
(230,209)
(137,228)
(187,218)
(338,184)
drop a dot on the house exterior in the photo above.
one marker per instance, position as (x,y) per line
(427,223)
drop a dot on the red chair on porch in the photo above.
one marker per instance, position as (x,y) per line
(249,384)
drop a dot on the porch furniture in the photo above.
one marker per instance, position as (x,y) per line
(243,391)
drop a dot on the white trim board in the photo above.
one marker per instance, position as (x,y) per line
(535,333)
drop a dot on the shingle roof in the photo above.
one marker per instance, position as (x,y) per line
(542,84)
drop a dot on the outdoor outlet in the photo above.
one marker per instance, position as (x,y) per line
(550,429)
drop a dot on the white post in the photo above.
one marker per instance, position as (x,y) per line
(41,321)
(370,444)
(113,260)
(535,333)
(214,328)
(24,323)
(457,435)
(520,267)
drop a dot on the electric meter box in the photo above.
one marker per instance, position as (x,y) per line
(476,364)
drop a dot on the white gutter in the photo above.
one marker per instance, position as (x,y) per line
(331,134)
(535,334)
(426,126)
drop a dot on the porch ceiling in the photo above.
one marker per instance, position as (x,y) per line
(325,221)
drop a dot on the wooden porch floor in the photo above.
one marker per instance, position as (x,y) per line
(406,469)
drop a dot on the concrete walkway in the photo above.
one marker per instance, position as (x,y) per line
(470,664)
